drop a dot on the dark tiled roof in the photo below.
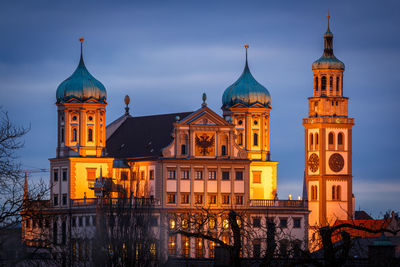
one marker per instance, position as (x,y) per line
(142,136)
(361,215)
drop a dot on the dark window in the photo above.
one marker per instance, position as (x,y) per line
(80,220)
(223,150)
(74,135)
(183,149)
(151,175)
(55,176)
(124,175)
(323,83)
(330,137)
(331,83)
(154,221)
(283,223)
(296,223)
(257,222)
(340,139)
(225,175)
(73,221)
(64,175)
(239,175)
(184,198)
(64,232)
(87,220)
(225,199)
(28,223)
(47,223)
(171,174)
(240,139)
(256,249)
(337,83)
(64,199)
(316,83)
(90,135)
(311,139)
(212,199)
(198,199)
(255,139)
(55,233)
(185,175)
(55,199)
(283,246)
(62,134)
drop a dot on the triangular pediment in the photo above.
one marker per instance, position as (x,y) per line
(204,116)
(257,105)
(239,105)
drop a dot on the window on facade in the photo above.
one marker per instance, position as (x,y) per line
(257,248)
(151,175)
(90,135)
(80,220)
(225,175)
(199,247)
(316,140)
(199,175)
(340,139)
(239,175)
(283,247)
(211,249)
(256,222)
(172,245)
(330,138)
(124,175)
(240,139)
(255,139)
(331,83)
(225,199)
(283,222)
(212,199)
(64,199)
(323,83)
(257,177)
(198,198)
(74,135)
(185,246)
(183,149)
(338,192)
(62,135)
(239,199)
(316,83)
(211,223)
(142,175)
(223,150)
(154,221)
(225,238)
(296,223)
(55,176)
(185,175)
(55,233)
(73,220)
(55,199)
(212,175)
(312,141)
(64,175)
(63,232)
(184,198)
(91,176)
(171,198)
(87,221)
(314,192)
(225,223)
(172,224)
(171,174)
(74,118)
(337,83)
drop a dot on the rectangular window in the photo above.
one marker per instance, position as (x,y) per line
(239,199)
(171,174)
(64,174)
(87,221)
(212,175)
(212,199)
(55,176)
(199,248)
(225,199)
(184,198)
(257,177)
(172,245)
(151,175)
(199,199)
(142,175)
(64,199)
(91,176)
(80,220)
(94,220)
(73,221)
(171,198)
(283,222)
(296,223)
(185,246)
(256,248)
(199,175)
(185,175)
(239,175)
(256,222)
(124,175)
(225,175)
(211,249)
(55,199)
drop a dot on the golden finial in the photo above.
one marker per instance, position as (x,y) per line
(127,100)
(246,46)
(81,39)
(328,18)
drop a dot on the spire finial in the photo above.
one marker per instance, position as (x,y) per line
(81,39)
(247,47)
(328,17)
(127,100)
(204,97)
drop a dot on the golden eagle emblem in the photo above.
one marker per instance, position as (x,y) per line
(205,143)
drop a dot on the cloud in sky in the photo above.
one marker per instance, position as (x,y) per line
(166,54)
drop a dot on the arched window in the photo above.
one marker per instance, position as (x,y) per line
(74,135)
(223,150)
(338,192)
(316,140)
(183,149)
(312,141)
(331,83)
(337,84)
(340,139)
(312,192)
(323,83)
(240,139)
(255,139)
(90,135)
(330,139)
(316,84)
(333,192)
(62,135)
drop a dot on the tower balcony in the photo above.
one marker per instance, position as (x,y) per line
(331,120)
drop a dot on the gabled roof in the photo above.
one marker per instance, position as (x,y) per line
(143,136)
(213,117)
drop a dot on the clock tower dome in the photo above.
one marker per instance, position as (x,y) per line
(328,142)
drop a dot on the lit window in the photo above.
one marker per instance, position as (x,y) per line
(211,249)
(185,175)
(172,224)
(151,175)
(184,198)
(225,199)
(257,177)
(199,248)
(199,199)
(171,198)
(212,199)
(211,224)
(199,175)
(185,223)
(172,245)
(185,246)
(239,199)
(212,175)
(225,224)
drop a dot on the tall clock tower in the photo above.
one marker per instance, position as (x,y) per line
(328,142)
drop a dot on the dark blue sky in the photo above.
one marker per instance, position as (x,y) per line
(165,54)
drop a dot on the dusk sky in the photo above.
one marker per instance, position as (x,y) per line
(165,54)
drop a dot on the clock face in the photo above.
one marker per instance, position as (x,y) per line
(336,162)
(313,162)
